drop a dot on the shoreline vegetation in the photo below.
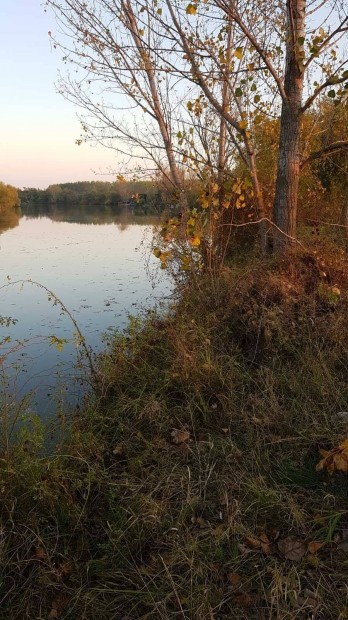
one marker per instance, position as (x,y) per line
(206,476)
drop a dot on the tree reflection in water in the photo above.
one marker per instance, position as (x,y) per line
(9,219)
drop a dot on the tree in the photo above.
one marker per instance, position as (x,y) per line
(122,70)
(242,60)
(8,198)
(314,56)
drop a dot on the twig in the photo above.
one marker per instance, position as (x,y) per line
(266,219)
(66,311)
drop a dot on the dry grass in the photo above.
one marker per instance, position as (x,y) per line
(197,458)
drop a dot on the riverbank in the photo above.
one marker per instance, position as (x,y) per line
(194,484)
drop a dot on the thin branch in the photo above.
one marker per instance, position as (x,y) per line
(335,147)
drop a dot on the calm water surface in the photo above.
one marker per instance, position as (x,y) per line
(95,263)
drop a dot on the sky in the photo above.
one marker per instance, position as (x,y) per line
(38,127)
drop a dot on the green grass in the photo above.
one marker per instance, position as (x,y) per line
(247,373)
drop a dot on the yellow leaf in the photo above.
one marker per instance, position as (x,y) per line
(239,53)
(335,459)
(243,124)
(191,9)
(204,202)
(236,188)
(195,242)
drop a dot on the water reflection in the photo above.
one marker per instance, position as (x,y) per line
(91,214)
(93,260)
(9,219)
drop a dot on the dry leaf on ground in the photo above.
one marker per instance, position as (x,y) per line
(234,579)
(243,599)
(308,598)
(335,459)
(315,545)
(292,548)
(40,553)
(179,437)
(118,450)
(261,542)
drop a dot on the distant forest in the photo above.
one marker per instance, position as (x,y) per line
(141,196)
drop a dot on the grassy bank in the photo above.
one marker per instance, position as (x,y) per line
(189,485)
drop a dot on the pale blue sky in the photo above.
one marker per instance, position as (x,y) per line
(38,128)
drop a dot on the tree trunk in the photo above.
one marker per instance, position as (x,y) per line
(288,171)
(344,214)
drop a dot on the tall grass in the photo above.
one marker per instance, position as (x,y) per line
(193,462)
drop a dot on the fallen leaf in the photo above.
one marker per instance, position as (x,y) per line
(244,550)
(265,543)
(57,607)
(243,599)
(40,553)
(315,545)
(118,450)
(201,522)
(292,548)
(335,459)
(255,543)
(234,579)
(180,436)
(307,598)
(262,543)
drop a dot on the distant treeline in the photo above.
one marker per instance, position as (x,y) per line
(139,195)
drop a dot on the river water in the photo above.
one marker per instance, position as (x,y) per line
(98,264)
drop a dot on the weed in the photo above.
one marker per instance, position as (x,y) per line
(188,486)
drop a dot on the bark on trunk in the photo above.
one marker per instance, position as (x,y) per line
(344,214)
(289,155)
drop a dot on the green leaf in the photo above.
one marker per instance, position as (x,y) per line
(257,98)
(238,92)
(332,94)
(301,40)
